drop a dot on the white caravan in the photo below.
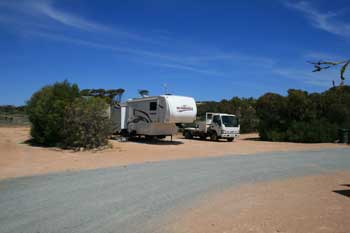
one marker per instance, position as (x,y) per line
(154,116)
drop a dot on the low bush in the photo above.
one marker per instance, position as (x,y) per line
(60,117)
(86,123)
(46,110)
(243,108)
(303,117)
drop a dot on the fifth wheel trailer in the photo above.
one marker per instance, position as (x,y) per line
(154,116)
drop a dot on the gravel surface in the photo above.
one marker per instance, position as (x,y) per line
(136,198)
(17,158)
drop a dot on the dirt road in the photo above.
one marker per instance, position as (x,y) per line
(20,159)
(297,205)
(144,197)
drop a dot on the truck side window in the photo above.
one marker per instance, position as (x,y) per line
(217,120)
(153,106)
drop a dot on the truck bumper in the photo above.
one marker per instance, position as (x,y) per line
(229,135)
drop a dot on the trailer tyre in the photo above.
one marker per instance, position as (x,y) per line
(188,135)
(230,139)
(213,136)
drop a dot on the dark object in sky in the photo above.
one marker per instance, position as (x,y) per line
(323,65)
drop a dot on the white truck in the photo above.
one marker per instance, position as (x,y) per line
(216,126)
(153,116)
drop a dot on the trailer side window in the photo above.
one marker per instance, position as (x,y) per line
(153,106)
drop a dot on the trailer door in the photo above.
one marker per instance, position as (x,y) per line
(162,108)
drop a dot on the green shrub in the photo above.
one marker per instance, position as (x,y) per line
(86,123)
(46,109)
(312,132)
(271,110)
(243,108)
(303,117)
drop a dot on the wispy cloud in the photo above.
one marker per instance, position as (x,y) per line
(321,79)
(45,12)
(190,68)
(326,21)
(323,56)
(178,63)
(47,9)
(45,19)
(234,57)
(105,46)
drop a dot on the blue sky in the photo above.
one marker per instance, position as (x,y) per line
(206,49)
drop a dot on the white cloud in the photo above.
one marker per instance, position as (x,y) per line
(47,9)
(177,62)
(326,21)
(42,18)
(189,68)
(323,56)
(45,13)
(321,79)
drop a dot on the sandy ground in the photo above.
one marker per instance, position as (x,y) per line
(309,204)
(20,159)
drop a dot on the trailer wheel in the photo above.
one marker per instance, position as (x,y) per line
(213,136)
(230,139)
(188,135)
(150,137)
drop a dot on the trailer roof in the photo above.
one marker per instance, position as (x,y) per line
(220,113)
(142,98)
(154,97)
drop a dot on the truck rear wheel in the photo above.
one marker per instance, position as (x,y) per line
(213,136)
(188,135)
(230,139)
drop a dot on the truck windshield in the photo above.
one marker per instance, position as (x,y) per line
(230,121)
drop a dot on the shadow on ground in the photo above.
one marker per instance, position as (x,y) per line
(164,142)
(33,143)
(206,140)
(344,192)
(252,139)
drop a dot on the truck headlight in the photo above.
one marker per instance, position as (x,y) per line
(223,131)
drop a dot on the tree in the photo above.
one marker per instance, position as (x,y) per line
(144,92)
(323,65)
(46,110)
(111,96)
(86,123)
(303,117)
(243,108)
(271,110)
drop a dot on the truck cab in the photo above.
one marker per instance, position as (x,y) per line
(222,125)
(216,126)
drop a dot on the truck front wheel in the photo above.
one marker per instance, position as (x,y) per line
(188,135)
(213,136)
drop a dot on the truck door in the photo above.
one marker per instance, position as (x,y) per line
(216,124)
